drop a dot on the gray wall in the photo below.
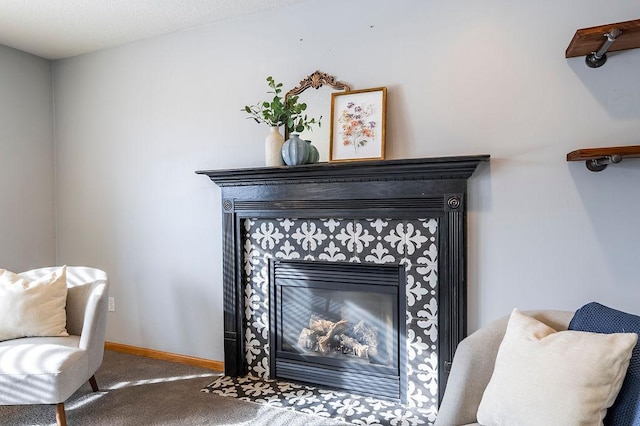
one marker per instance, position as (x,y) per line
(465,77)
(26,156)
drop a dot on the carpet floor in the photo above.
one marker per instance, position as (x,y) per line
(137,390)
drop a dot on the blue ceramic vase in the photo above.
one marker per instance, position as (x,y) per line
(295,151)
(314,155)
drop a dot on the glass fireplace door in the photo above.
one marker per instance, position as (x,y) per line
(338,324)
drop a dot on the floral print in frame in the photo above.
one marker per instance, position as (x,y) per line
(358,125)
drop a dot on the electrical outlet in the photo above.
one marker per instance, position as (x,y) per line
(112,304)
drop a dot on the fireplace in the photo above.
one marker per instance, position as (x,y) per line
(339,325)
(408,216)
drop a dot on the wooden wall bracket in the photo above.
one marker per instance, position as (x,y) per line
(597,159)
(595,42)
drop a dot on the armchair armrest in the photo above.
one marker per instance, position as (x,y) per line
(87,309)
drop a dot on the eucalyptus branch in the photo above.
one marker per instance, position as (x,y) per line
(279,111)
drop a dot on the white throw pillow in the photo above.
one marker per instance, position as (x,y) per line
(546,377)
(30,309)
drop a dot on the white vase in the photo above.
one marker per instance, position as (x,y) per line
(273,148)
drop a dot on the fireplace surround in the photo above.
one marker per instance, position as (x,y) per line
(409,213)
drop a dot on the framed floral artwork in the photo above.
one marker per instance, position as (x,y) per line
(358,125)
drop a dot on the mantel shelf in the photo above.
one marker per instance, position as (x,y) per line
(460,167)
(587,41)
(597,159)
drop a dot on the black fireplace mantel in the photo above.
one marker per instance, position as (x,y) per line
(460,167)
(398,189)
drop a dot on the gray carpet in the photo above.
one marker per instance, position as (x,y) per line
(142,391)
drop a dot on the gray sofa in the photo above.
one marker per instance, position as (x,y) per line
(473,365)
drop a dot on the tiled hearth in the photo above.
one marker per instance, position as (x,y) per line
(322,402)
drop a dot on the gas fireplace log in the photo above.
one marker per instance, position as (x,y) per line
(325,342)
(358,349)
(367,336)
(319,325)
(308,339)
(324,336)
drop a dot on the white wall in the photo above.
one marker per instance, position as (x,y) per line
(26,153)
(465,77)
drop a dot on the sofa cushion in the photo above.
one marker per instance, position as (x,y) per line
(546,377)
(602,319)
(31,309)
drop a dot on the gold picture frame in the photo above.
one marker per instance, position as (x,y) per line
(358,125)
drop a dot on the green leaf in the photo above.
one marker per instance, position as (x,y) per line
(281,111)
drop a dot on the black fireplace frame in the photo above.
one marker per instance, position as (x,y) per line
(388,382)
(394,189)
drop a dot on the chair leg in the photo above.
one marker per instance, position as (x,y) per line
(94,384)
(61,417)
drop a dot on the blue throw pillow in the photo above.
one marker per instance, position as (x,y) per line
(597,318)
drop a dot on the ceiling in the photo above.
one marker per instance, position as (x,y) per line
(56,29)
